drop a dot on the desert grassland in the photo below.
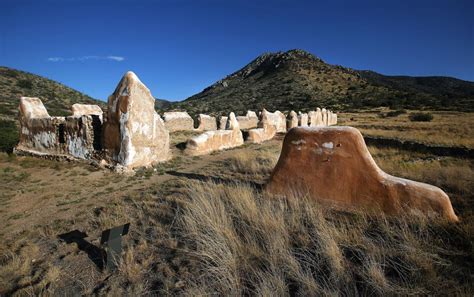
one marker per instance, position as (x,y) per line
(448,128)
(211,230)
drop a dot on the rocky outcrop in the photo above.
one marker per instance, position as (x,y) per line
(178,121)
(134,134)
(302,119)
(206,123)
(210,141)
(86,109)
(74,136)
(292,120)
(249,121)
(333,165)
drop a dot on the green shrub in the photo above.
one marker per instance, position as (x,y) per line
(395,113)
(25,84)
(421,117)
(8,135)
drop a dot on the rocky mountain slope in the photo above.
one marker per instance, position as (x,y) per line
(299,80)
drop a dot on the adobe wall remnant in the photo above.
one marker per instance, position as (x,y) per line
(292,120)
(178,121)
(276,118)
(222,122)
(315,118)
(302,119)
(86,109)
(210,141)
(266,129)
(134,134)
(249,121)
(41,134)
(206,122)
(333,165)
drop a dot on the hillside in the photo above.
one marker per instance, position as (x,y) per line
(299,80)
(14,84)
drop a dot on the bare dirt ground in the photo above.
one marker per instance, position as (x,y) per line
(43,199)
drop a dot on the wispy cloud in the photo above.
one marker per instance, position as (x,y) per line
(85,58)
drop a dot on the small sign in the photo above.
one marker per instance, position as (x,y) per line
(111,239)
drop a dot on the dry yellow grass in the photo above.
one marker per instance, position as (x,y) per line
(248,244)
(446,128)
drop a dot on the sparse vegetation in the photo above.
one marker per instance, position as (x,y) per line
(421,117)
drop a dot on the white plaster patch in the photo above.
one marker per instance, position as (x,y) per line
(328,145)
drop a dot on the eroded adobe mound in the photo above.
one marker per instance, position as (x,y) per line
(333,164)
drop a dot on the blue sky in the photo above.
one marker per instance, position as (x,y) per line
(179,47)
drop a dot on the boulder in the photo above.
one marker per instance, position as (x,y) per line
(178,121)
(210,141)
(86,109)
(134,134)
(292,120)
(303,119)
(333,165)
(207,123)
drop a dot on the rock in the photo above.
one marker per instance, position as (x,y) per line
(178,121)
(206,123)
(333,165)
(303,119)
(249,121)
(134,134)
(86,109)
(292,120)
(222,122)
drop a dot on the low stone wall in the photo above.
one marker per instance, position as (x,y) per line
(249,121)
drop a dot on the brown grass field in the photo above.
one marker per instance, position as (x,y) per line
(202,225)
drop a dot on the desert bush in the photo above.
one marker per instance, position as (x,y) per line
(395,113)
(247,243)
(8,135)
(421,117)
(25,84)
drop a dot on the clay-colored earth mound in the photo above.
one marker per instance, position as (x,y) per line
(332,164)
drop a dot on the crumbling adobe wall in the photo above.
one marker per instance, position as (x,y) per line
(76,136)
(178,121)
(134,134)
(207,123)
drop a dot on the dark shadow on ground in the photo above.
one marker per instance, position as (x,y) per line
(97,255)
(201,177)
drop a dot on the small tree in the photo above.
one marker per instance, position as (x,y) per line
(421,117)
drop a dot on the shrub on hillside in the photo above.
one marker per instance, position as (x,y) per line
(25,84)
(8,135)
(421,117)
(396,113)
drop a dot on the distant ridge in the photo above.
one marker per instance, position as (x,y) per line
(299,80)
